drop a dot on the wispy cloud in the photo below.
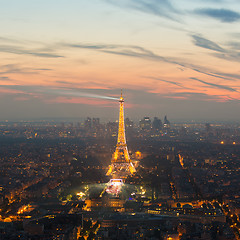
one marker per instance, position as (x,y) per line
(162,8)
(23,51)
(42,69)
(230,56)
(85,101)
(205,43)
(220,75)
(10,68)
(27,47)
(3,78)
(220,52)
(198,96)
(219,86)
(166,81)
(224,15)
(15,68)
(125,50)
(142,53)
(85,84)
(234,45)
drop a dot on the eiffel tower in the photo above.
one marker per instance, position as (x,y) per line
(121,164)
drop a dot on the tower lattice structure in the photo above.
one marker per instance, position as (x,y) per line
(121,164)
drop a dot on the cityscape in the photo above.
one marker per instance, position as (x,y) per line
(120,120)
(64,180)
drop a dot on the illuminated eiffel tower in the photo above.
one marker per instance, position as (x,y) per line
(121,164)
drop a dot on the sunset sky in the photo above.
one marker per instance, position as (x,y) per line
(179,58)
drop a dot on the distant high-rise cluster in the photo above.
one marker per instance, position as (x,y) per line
(92,123)
(156,124)
(153,126)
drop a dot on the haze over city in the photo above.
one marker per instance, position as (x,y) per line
(174,58)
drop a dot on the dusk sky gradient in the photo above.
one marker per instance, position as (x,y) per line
(179,58)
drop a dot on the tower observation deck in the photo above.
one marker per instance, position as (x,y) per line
(121,164)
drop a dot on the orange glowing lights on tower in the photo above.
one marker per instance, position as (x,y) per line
(121,159)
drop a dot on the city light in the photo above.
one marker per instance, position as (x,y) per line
(81,194)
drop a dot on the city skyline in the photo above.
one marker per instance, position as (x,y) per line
(174,58)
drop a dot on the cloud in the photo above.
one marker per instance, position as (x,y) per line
(117,49)
(205,43)
(167,81)
(18,46)
(224,15)
(63,82)
(225,76)
(234,45)
(14,68)
(85,84)
(230,56)
(85,101)
(42,69)
(3,78)
(198,96)
(142,53)
(10,68)
(162,8)
(227,54)
(215,85)
(23,51)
